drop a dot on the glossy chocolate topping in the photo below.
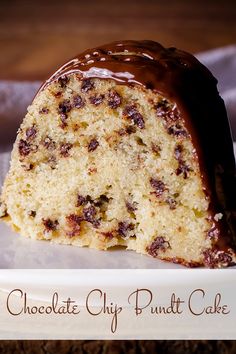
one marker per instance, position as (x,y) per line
(182,79)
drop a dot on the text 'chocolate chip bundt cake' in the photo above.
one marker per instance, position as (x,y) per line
(127,144)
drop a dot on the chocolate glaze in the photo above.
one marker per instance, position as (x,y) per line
(182,79)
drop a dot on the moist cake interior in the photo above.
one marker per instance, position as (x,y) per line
(101,164)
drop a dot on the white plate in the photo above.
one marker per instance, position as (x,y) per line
(19,252)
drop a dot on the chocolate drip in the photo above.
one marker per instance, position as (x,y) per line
(182,79)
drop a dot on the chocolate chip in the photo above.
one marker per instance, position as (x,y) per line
(96,100)
(178,152)
(81,200)
(44,110)
(161,108)
(130,129)
(28,166)
(78,102)
(64,107)
(213,233)
(209,258)
(49,144)
(172,203)
(63,117)
(131,207)
(216,258)
(178,131)
(183,169)
(65,148)
(138,120)
(74,219)
(50,225)
(167,112)
(103,199)
(93,144)
(224,258)
(124,227)
(87,85)
(159,244)
(32,213)
(63,81)
(158,186)
(74,222)
(172,115)
(89,214)
(24,148)
(114,99)
(131,112)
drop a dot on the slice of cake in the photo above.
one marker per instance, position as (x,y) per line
(127,144)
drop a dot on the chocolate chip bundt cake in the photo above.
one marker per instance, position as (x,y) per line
(127,144)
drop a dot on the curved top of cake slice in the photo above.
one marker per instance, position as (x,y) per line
(128,144)
(180,77)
